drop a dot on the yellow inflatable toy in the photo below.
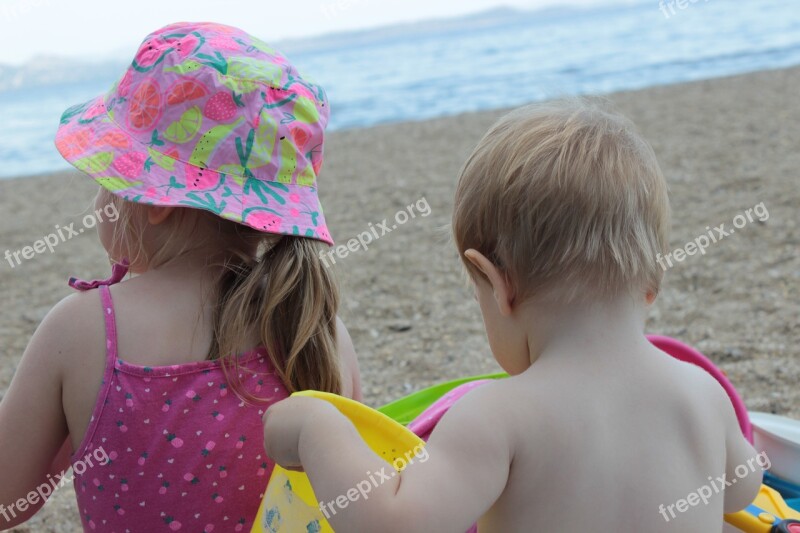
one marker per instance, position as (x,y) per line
(769,513)
(289,505)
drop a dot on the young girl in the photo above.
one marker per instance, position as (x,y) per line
(153,389)
(559,216)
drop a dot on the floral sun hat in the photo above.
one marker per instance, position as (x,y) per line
(209,117)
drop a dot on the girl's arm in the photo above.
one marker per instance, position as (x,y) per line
(447,486)
(33,429)
(351,376)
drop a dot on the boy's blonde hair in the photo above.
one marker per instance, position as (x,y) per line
(568,200)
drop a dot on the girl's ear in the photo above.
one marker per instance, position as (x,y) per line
(157,214)
(650,297)
(501,285)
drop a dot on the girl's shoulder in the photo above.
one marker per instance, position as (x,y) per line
(72,331)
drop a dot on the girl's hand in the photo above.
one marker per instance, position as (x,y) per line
(285,423)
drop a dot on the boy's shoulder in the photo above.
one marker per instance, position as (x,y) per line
(698,381)
(502,404)
(490,401)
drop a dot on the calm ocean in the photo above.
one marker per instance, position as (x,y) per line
(533,57)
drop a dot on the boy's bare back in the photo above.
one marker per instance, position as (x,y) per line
(591,431)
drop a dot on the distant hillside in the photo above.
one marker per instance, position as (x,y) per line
(53,70)
(485,19)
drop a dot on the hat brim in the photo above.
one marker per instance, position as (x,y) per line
(91,141)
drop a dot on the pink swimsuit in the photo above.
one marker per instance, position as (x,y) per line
(172,448)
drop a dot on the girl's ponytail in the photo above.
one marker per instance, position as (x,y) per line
(292,300)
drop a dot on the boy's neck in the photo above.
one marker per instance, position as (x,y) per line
(562,332)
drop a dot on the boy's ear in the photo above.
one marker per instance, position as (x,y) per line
(501,285)
(157,214)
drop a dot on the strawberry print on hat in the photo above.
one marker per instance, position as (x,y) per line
(209,117)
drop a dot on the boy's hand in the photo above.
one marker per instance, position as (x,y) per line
(284,423)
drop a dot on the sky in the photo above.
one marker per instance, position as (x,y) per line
(103,29)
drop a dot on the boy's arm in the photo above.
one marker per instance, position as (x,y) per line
(447,486)
(33,428)
(739,453)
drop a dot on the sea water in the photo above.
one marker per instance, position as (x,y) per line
(529,57)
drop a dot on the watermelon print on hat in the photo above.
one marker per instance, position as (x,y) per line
(208,117)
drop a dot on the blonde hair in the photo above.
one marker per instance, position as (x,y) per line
(273,285)
(568,200)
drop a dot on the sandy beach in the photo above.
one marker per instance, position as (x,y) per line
(725,145)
